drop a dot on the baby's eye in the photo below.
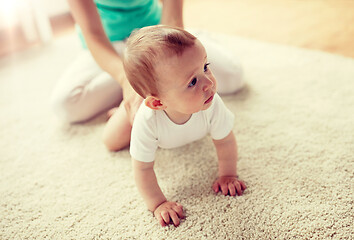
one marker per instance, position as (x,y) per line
(193,82)
(206,68)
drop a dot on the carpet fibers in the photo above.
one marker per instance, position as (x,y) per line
(295,130)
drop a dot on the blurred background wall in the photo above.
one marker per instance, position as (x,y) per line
(326,25)
(24,23)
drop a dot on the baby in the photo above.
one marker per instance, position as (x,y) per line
(168,67)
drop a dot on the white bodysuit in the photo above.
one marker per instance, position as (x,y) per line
(152,129)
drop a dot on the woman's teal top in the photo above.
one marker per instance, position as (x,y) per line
(121,17)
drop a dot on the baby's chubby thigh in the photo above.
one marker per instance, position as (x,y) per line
(223,62)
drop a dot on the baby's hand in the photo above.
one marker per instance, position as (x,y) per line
(168,211)
(229,185)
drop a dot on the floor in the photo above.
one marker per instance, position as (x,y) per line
(325,25)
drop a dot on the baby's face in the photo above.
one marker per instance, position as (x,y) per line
(186,83)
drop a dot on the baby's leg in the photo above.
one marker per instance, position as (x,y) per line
(116,135)
(224,64)
(85,90)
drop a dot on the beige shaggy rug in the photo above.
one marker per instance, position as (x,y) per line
(295,130)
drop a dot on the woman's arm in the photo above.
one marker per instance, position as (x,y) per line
(172,13)
(86,16)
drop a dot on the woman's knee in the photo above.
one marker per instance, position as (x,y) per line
(230,78)
(224,64)
(67,107)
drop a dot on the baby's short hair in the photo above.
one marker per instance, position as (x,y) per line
(144,49)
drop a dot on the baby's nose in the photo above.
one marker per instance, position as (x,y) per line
(208,84)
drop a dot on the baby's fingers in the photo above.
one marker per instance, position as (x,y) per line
(166,217)
(243,185)
(216,187)
(232,189)
(174,217)
(238,188)
(224,189)
(179,210)
(160,219)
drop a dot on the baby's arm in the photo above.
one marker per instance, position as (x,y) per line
(228,181)
(146,182)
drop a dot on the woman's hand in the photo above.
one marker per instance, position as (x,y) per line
(168,213)
(229,186)
(131,100)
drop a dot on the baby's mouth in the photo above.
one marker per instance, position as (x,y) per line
(209,99)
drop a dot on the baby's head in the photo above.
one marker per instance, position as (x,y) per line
(169,68)
(146,48)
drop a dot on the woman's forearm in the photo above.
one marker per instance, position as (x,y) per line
(172,13)
(106,57)
(86,16)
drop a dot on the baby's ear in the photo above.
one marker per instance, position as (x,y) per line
(154,103)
